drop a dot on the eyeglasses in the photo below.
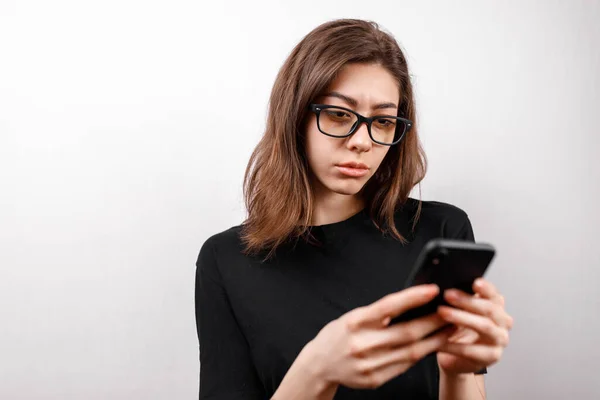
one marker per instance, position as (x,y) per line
(340,122)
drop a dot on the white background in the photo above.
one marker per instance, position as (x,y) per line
(125,128)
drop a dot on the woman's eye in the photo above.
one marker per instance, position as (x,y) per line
(385,122)
(338,114)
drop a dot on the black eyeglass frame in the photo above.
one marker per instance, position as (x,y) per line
(317,108)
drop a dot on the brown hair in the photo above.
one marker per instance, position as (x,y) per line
(277,190)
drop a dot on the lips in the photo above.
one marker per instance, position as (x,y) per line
(353,169)
(353,164)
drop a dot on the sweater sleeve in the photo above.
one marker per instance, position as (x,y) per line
(226,368)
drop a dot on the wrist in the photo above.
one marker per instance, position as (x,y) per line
(462,386)
(306,379)
(455,375)
(458,376)
(314,367)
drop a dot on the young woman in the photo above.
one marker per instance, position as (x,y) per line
(295,303)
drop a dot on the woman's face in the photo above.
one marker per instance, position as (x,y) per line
(368,89)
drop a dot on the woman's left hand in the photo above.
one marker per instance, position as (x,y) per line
(483,329)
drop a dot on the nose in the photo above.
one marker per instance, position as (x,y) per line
(360,139)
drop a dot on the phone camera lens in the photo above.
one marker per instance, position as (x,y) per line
(439,257)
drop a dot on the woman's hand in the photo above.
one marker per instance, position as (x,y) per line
(360,350)
(483,329)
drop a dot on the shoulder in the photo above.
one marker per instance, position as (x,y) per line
(440,219)
(221,257)
(227,241)
(439,211)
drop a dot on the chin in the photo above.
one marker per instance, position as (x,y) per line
(349,187)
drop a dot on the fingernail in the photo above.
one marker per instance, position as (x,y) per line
(479,282)
(445,310)
(448,314)
(429,289)
(452,294)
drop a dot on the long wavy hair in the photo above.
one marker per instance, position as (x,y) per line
(277,190)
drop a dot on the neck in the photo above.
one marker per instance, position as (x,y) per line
(334,207)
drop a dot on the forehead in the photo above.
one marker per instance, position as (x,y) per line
(367,83)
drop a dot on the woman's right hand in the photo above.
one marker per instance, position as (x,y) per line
(360,350)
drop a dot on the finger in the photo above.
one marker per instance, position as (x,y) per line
(390,362)
(416,351)
(398,334)
(482,325)
(374,379)
(393,305)
(478,305)
(476,353)
(375,371)
(487,290)
(463,335)
(414,330)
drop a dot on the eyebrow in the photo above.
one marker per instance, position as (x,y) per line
(352,102)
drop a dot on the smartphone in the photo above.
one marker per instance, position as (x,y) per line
(448,263)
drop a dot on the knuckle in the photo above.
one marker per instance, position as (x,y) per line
(501,300)
(373,381)
(365,369)
(489,311)
(333,324)
(369,383)
(511,322)
(489,328)
(410,334)
(380,308)
(496,353)
(414,354)
(352,323)
(355,348)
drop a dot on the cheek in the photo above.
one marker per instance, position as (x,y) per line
(380,155)
(318,148)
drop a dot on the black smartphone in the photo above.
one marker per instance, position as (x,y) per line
(448,263)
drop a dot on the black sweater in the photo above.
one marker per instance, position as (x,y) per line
(253,318)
